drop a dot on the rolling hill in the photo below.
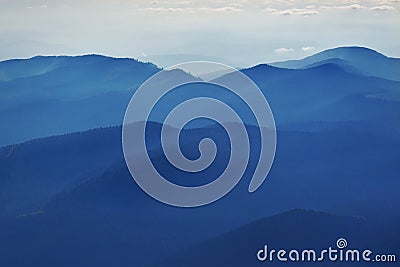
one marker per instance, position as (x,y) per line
(295,229)
(56,95)
(73,198)
(68,199)
(358,59)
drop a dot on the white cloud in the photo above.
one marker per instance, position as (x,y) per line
(283,50)
(229,8)
(293,11)
(382,8)
(183,3)
(308,48)
(270,10)
(349,7)
(356,6)
(376,6)
(164,9)
(219,9)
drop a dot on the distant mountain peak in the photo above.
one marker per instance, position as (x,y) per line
(264,67)
(355,59)
(359,48)
(344,52)
(19,68)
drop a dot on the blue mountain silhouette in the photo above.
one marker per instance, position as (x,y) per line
(358,59)
(76,188)
(71,197)
(67,94)
(56,95)
(295,229)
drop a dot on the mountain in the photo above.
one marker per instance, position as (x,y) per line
(327,93)
(356,59)
(295,229)
(45,96)
(72,197)
(22,68)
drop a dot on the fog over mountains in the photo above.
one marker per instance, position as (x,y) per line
(67,198)
(359,60)
(56,95)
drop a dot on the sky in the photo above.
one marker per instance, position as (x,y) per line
(240,33)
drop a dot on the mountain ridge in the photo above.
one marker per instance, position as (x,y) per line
(93,91)
(366,60)
(42,64)
(293,229)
